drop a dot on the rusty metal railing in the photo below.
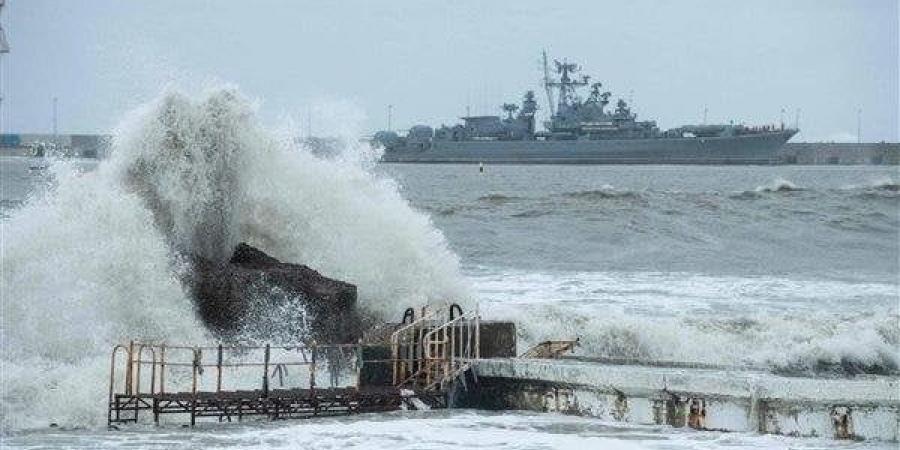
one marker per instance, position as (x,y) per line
(272,361)
(426,354)
(435,349)
(406,349)
(450,348)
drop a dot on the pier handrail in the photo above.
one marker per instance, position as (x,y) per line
(408,363)
(454,358)
(424,368)
(112,369)
(161,358)
(138,362)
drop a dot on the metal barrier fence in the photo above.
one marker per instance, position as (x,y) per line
(269,361)
(295,380)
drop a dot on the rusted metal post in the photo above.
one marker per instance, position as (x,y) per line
(265,385)
(470,338)
(359,363)
(453,347)
(152,371)
(137,381)
(395,357)
(129,368)
(195,369)
(113,401)
(137,370)
(162,369)
(312,370)
(219,370)
(477,333)
(421,347)
(445,359)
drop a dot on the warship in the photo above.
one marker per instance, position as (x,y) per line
(580,131)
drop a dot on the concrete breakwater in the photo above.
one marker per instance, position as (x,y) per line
(816,153)
(862,408)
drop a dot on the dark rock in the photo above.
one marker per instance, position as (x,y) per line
(255,296)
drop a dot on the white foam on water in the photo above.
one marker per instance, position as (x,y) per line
(82,268)
(765,322)
(96,260)
(779,185)
(454,429)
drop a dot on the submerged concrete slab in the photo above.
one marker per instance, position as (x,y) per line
(702,398)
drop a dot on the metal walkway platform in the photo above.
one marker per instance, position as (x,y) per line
(228,406)
(234,382)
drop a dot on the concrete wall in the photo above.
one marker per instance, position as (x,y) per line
(839,153)
(701,398)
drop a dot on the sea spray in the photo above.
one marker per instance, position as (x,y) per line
(100,258)
(787,326)
(83,267)
(213,177)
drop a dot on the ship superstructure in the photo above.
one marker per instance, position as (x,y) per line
(580,129)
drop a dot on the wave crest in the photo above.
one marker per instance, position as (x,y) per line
(605,192)
(99,259)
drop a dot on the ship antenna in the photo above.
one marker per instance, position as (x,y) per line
(55,123)
(4,48)
(390,113)
(859,126)
(547,84)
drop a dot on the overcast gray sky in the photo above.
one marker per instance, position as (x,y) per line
(741,60)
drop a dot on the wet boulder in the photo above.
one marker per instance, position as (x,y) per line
(254,296)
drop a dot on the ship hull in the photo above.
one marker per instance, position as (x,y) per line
(758,148)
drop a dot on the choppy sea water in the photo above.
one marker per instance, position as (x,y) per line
(457,429)
(794,269)
(788,269)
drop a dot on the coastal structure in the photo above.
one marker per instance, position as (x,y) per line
(48,144)
(581,131)
(444,358)
(840,153)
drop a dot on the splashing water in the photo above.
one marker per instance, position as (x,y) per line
(98,259)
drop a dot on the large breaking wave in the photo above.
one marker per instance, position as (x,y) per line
(97,259)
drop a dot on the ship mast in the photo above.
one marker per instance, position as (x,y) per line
(566,84)
(547,86)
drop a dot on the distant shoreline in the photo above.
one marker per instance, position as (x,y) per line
(792,153)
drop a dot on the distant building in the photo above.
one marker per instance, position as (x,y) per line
(67,145)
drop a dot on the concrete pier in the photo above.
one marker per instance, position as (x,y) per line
(819,153)
(702,398)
